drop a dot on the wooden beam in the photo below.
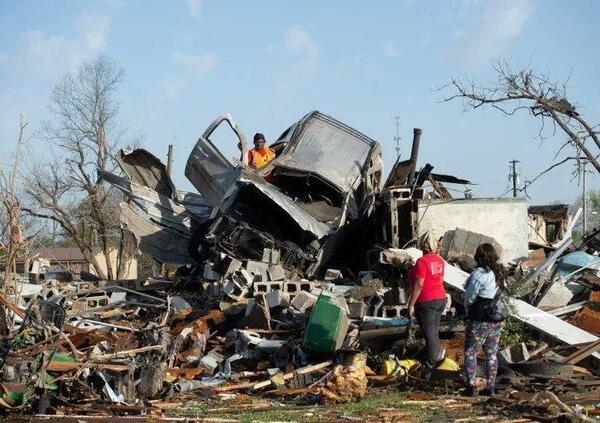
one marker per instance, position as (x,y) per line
(582,353)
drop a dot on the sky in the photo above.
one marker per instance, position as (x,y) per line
(269,63)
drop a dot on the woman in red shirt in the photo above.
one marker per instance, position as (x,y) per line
(428,296)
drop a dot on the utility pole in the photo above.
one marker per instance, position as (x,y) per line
(514,176)
(397,138)
(170,160)
(584,198)
(163,267)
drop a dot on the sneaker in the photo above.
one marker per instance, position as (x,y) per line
(470,391)
(488,392)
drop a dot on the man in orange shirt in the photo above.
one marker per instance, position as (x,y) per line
(260,155)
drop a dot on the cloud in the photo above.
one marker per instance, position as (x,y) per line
(198,65)
(194,7)
(491,26)
(298,43)
(170,88)
(390,50)
(51,55)
(94,29)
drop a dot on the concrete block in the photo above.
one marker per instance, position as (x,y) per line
(211,361)
(333,274)
(375,304)
(233,290)
(233,266)
(557,295)
(392,312)
(303,301)
(357,309)
(239,285)
(116,297)
(270,256)
(293,288)
(266,287)
(276,272)
(513,354)
(209,274)
(278,298)
(258,270)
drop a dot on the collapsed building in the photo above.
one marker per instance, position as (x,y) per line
(300,261)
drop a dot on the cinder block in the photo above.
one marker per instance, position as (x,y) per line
(293,288)
(513,354)
(270,256)
(233,266)
(258,270)
(276,272)
(303,301)
(375,304)
(211,361)
(278,298)
(333,274)
(209,274)
(234,290)
(391,312)
(266,287)
(357,309)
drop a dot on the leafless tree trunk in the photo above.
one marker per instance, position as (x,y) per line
(84,133)
(12,207)
(536,94)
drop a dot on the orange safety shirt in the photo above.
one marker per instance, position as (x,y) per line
(259,158)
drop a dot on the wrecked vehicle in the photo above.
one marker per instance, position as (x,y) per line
(303,204)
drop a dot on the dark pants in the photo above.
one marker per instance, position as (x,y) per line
(429,314)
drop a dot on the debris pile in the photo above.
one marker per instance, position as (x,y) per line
(290,281)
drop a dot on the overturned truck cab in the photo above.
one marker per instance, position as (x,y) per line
(307,203)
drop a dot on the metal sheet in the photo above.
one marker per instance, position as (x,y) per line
(301,217)
(163,243)
(328,148)
(145,169)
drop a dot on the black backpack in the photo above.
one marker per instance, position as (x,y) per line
(494,309)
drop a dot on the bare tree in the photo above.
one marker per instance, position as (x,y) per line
(83,133)
(535,93)
(12,209)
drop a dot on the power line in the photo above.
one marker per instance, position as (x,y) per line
(397,138)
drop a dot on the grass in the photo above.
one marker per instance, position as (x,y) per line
(369,407)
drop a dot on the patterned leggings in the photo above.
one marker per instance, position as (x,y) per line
(486,335)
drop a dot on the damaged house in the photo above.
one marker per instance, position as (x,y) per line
(548,224)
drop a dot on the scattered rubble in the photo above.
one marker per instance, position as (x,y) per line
(283,289)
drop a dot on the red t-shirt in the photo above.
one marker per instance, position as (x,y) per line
(430,267)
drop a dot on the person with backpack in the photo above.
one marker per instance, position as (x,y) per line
(486,305)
